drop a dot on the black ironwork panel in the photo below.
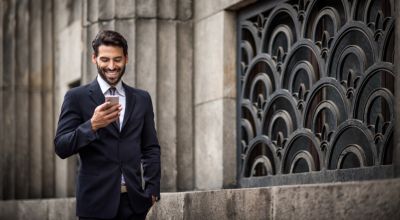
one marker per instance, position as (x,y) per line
(316,91)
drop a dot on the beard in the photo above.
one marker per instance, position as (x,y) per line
(102,72)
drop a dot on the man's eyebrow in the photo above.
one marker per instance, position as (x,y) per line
(106,57)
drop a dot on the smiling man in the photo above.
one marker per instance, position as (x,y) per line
(111,126)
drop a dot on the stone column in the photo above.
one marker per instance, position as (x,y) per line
(146,56)
(184,151)
(2,6)
(35,107)
(166,101)
(215,102)
(9,100)
(22,101)
(47,100)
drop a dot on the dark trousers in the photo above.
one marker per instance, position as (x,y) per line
(124,211)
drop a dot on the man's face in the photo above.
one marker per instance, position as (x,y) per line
(111,63)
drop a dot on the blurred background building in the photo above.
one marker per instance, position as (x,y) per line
(275,94)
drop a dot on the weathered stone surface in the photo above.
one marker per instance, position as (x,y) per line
(171,206)
(22,100)
(146,57)
(127,29)
(91,69)
(215,57)
(229,55)
(166,97)
(208,59)
(229,93)
(167,9)
(250,204)
(85,21)
(106,25)
(67,12)
(47,101)
(185,9)
(228,204)
(35,107)
(146,8)
(9,100)
(32,209)
(124,8)
(9,209)
(357,200)
(205,8)
(229,142)
(92,10)
(61,209)
(185,148)
(2,12)
(208,145)
(106,9)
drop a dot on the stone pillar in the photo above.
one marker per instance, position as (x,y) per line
(2,6)
(185,131)
(47,100)
(215,102)
(146,56)
(184,151)
(22,100)
(9,100)
(90,73)
(166,101)
(35,107)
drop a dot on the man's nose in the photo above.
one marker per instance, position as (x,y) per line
(111,65)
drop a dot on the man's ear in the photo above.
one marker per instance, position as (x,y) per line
(94,58)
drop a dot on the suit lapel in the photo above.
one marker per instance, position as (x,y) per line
(130,104)
(95,93)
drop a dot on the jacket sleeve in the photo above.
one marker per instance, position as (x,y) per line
(72,132)
(150,152)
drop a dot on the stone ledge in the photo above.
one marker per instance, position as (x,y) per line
(378,199)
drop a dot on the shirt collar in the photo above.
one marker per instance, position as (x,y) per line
(104,86)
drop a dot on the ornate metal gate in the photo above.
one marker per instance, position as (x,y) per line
(315,91)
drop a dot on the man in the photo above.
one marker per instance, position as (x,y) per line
(112,139)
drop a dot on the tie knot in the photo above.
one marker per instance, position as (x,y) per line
(112,90)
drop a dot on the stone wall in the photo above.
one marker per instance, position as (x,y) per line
(351,200)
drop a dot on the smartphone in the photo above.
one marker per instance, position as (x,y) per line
(113,99)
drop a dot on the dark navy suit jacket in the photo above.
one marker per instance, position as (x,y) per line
(108,153)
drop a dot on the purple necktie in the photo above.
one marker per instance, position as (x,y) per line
(112,92)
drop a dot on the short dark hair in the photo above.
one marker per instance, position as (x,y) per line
(109,38)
